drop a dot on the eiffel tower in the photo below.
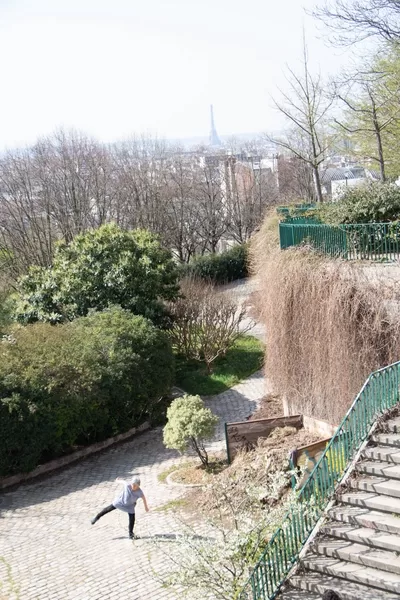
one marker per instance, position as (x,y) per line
(214,139)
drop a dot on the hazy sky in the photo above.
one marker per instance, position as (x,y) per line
(114,67)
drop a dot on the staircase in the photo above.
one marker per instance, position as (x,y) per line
(357,551)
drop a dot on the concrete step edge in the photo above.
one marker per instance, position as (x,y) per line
(292,593)
(393,425)
(358,553)
(363,517)
(383,453)
(378,485)
(372,538)
(375,502)
(379,468)
(382,580)
(319,583)
(387,439)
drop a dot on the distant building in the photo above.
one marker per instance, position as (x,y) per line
(335,180)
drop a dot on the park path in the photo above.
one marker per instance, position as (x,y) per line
(50,551)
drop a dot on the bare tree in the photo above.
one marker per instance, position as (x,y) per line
(26,235)
(141,163)
(206,323)
(305,106)
(210,193)
(295,180)
(356,20)
(68,183)
(56,189)
(181,215)
(251,188)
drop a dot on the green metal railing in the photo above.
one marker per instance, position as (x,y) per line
(301,220)
(380,392)
(295,209)
(367,241)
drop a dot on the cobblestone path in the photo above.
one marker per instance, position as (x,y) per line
(50,551)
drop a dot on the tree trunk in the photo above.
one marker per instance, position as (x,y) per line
(317,182)
(380,154)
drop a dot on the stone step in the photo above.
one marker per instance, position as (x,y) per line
(382,453)
(378,485)
(387,439)
(380,469)
(363,517)
(372,501)
(363,535)
(297,594)
(347,590)
(393,425)
(348,551)
(383,580)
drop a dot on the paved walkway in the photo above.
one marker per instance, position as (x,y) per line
(49,550)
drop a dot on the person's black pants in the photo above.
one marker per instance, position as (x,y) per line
(108,509)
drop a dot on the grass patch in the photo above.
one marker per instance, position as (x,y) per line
(244,358)
(171,505)
(162,477)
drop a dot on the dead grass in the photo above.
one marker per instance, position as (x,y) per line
(253,468)
(270,407)
(328,326)
(193,472)
(193,475)
(284,439)
(265,242)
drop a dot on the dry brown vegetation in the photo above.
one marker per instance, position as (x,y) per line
(206,323)
(329,324)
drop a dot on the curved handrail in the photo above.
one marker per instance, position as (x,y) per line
(379,392)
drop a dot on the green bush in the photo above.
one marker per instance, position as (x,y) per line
(371,203)
(78,383)
(189,424)
(100,268)
(24,433)
(219,268)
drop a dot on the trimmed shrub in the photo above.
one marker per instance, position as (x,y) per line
(131,359)
(77,384)
(24,433)
(219,268)
(189,424)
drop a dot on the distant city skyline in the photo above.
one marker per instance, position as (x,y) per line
(113,68)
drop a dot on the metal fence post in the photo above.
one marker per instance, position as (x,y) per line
(228,454)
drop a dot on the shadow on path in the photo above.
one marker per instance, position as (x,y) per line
(123,460)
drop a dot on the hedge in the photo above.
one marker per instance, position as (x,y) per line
(220,268)
(78,383)
(373,202)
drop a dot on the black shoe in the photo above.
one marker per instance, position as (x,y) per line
(94,520)
(133,536)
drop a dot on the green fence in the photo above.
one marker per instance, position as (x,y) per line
(295,209)
(304,220)
(380,392)
(369,241)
